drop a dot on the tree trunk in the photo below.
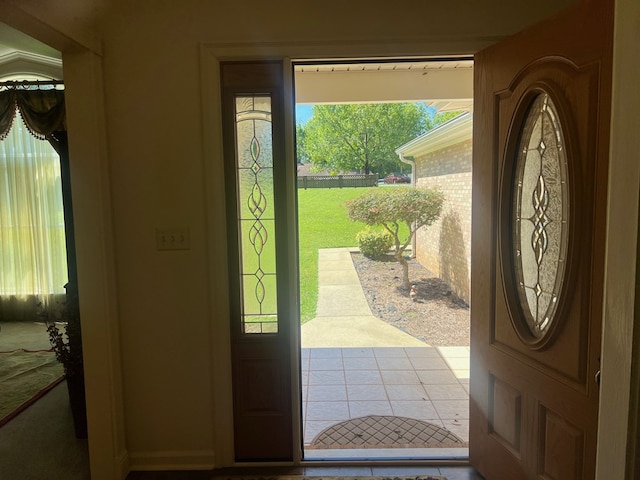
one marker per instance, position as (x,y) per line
(406,285)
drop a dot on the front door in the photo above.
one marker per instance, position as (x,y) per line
(541,134)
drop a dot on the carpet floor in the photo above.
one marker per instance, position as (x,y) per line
(40,444)
(380,431)
(24,377)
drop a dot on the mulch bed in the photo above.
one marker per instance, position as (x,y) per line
(437,316)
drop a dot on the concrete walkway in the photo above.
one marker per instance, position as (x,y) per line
(407,378)
(343,317)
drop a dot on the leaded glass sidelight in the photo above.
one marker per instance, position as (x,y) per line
(256,218)
(540,215)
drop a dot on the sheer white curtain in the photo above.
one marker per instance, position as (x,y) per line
(32,240)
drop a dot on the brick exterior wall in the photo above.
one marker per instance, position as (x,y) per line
(444,248)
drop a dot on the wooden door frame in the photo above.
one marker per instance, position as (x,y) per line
(624,177)
(618,344)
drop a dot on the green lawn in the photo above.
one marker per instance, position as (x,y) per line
(322,223)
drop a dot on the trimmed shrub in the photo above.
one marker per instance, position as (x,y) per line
(374,244)
(391,207)
(416,207)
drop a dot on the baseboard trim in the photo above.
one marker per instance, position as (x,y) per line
(122,465)
(172,460)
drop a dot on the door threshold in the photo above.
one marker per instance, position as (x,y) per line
(387,455)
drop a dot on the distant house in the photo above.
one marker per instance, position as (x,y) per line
(442,158)
(306,170)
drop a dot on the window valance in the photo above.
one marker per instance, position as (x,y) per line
(43,111)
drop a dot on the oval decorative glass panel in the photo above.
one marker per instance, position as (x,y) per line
(540,212)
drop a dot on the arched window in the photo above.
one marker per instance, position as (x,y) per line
(33,253)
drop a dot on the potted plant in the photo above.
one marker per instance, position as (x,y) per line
(67,347)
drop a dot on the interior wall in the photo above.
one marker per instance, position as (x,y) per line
(155,144)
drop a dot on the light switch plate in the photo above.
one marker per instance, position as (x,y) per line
(172,239)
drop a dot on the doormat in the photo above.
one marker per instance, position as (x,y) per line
(327,477)
(24,378)
(380,431)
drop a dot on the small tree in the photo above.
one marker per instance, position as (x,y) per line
(391,207)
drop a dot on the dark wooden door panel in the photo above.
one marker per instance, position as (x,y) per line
(262,405)
(260,272)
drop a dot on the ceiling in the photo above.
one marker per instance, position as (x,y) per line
(24,57)
(446,85)
(12,40)
(408,65)
(443,84)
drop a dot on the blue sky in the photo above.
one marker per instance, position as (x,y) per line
(303,113)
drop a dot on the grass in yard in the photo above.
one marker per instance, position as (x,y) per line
(322,223)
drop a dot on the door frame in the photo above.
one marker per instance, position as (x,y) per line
(620,281)
(624,178)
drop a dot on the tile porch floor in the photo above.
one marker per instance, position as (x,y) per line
(426,383)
